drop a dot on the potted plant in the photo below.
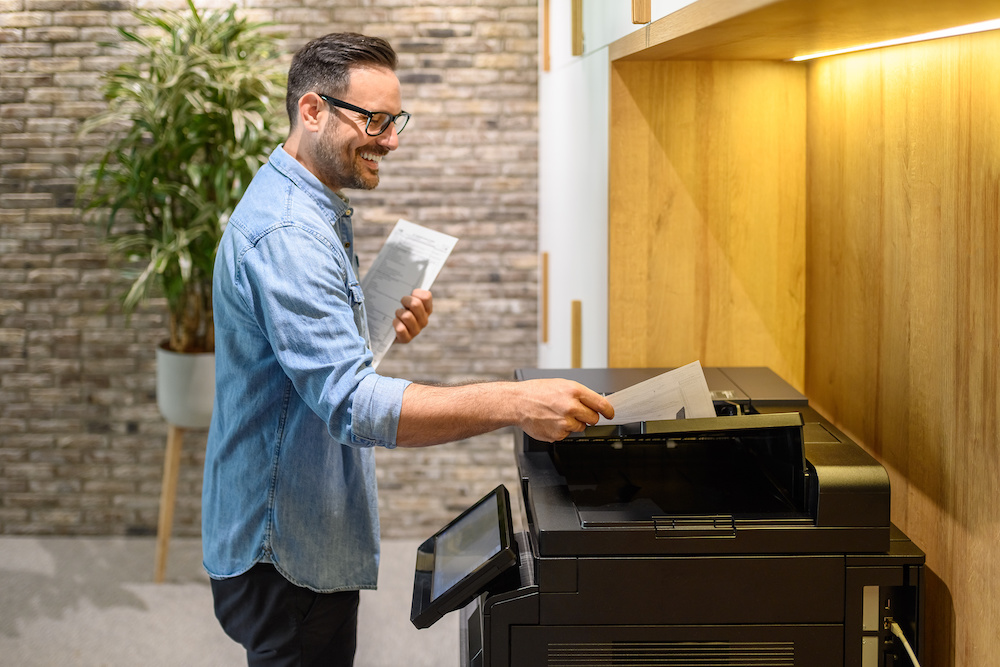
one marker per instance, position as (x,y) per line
(190,119)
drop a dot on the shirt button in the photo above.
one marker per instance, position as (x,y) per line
(347,245)
(349,212)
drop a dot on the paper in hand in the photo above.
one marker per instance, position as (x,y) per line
(677,394)
(411,258)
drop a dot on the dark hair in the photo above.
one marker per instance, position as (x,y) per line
(324,65)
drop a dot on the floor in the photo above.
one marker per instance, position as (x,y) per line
(91,602)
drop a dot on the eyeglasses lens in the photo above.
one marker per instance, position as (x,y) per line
(380,123)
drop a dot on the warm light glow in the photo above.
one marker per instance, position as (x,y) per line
(937,34)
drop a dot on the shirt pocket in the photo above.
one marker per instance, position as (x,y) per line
(358,306)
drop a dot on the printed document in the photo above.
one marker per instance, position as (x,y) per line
(677,394)
(411,258)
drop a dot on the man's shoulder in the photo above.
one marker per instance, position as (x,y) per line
(273,202)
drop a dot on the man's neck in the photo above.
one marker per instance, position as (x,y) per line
(297,146)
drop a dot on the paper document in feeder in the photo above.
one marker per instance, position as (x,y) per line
(411,258)
(680,393)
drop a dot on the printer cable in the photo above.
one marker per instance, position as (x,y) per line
(898,631)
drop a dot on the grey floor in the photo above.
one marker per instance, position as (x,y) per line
(91,602)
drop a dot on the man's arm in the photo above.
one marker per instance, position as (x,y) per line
(546,410)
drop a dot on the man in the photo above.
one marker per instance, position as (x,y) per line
(290,519)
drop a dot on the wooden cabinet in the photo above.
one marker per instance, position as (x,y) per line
(839,221)
(707,209)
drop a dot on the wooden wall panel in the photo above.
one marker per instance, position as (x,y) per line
(707,215)
(903,319)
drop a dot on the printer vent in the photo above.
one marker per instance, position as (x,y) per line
(672,654)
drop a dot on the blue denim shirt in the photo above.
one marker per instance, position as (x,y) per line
(289,469)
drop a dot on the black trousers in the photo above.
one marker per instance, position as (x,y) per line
(284,625)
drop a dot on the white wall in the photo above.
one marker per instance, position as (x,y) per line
(573,173)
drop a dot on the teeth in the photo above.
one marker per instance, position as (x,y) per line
(372,156)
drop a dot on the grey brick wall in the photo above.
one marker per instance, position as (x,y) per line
(81,440)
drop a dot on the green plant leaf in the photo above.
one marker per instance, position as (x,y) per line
(189,121)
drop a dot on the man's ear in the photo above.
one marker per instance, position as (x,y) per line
(311,106)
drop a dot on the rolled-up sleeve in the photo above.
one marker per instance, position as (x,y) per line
(377,403)
(304,298)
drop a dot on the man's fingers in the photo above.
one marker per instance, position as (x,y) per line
(406,326)
(413,311)
(425,297)
(403,334)
(413,316)
(409,320)
(586,416)
(598,403)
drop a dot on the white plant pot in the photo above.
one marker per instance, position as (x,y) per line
(185,387)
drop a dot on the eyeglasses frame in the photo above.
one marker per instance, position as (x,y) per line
(333,101)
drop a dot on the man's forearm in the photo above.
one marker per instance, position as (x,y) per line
(434,415)
(547,410)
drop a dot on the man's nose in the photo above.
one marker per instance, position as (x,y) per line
(389,138)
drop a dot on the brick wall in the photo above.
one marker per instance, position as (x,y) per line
(81,440)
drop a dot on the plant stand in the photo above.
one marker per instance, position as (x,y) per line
(185,391)
(168,497)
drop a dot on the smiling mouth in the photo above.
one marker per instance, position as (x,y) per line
(372,157)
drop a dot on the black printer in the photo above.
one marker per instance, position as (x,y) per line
(760,537)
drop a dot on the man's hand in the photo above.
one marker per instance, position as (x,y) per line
(412,317)
(553,408)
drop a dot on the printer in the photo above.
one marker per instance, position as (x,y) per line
(759,537)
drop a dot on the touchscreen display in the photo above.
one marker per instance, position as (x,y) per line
(474,553)
(465,546)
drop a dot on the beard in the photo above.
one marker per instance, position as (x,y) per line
(341,168)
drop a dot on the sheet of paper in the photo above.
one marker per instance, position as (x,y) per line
(411,258)
(677,394)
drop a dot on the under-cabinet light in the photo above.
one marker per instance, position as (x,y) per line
(937,34)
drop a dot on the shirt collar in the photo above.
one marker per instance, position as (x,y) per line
(306,181)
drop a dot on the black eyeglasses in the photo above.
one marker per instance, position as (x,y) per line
(378,121)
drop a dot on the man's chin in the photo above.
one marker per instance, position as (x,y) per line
(361,183)
(367,181)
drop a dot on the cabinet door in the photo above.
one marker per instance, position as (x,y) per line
(573,207)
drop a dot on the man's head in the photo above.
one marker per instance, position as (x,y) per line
(344,105)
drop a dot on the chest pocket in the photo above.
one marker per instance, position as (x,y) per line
(358,306)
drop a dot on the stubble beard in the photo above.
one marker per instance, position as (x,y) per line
(340,168)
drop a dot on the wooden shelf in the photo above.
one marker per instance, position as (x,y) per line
(783,29)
